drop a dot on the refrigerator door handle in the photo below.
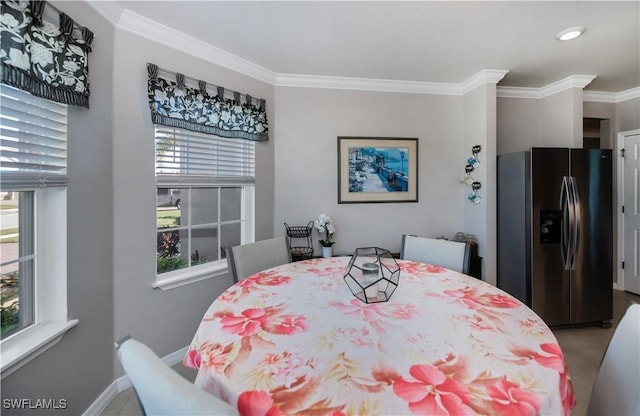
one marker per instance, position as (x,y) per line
(567,223)
(577,223)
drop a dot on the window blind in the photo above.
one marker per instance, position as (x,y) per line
(184,157)
(33,141)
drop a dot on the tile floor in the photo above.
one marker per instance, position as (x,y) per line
(583,349)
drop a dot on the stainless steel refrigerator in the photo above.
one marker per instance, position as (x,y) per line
(555,233)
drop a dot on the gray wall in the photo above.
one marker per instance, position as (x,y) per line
(556,120)
(111,221)
(79,367)
(308,122)
(165,320)
(553,121)
(604,111)
(480,128)
(628,115)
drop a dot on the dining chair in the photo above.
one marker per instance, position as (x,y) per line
(452,255)
(247,259)
(159,389)
(616,388)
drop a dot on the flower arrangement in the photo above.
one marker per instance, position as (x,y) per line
(324,225)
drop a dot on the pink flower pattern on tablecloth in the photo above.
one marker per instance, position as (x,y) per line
(290,325)
(294,340)
(257,403)
(192,359)
(363,311)
(248,323)
(465,296)
(553,358)
(511,400)
(433,393)
(416,267)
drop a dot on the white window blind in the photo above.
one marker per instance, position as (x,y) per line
(191,158)
(33,141)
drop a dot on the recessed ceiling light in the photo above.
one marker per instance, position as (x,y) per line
(570,33)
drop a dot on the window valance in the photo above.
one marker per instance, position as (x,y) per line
(174,104)
(47,60)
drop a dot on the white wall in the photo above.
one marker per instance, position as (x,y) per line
(308,122)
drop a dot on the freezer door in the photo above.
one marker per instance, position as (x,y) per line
(550,282)
(592,274)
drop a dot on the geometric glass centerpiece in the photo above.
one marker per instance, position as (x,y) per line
(372,274)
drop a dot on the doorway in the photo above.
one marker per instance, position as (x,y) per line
(628,151)
(595,133)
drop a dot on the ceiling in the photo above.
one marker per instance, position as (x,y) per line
(425,41)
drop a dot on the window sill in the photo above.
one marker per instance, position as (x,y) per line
(172,280)
(23,347)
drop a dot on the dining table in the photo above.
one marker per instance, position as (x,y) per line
(294,339)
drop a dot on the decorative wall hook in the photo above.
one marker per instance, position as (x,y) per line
(472,163)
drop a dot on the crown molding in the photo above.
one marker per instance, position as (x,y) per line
(612,97)
(365,84)
(486,76)
(573,81)
(384,85)
(165,35)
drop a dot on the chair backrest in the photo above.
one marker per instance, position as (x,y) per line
(162,391)
(248,259)
(616,389)
(452,255)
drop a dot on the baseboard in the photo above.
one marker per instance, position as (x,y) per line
(122,383)
(103,400)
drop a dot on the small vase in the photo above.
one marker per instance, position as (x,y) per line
(326,252)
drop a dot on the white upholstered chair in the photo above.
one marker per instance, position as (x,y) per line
(616,390)
(247,259)
(444,253)
(162,391)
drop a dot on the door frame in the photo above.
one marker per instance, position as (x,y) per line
(619,202)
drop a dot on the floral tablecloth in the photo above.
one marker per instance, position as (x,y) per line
(293,339)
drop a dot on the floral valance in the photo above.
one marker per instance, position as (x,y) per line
(174,104)
(48,60)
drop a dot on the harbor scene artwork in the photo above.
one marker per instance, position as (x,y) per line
(373,169)
(377,169)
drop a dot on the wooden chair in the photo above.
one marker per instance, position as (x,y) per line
(444,253)
(616,389)
(247,259)
(162,391)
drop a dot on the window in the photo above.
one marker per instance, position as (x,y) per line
(205,202)
(33,178)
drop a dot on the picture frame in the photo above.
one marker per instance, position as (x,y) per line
(377,169)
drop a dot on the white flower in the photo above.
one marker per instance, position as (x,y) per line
(40,55)
(71,66)
(18,59)
(76,50)
(8,20)
(160,95)
(324,225)
(330,228)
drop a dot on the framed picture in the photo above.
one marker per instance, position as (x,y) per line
(377,169)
